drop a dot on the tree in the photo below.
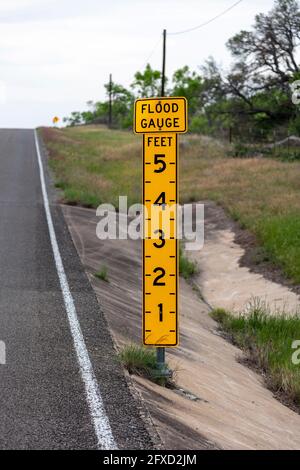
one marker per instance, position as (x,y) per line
(270,49)
(74,119)
(257,88)
(122,104)
(122,109)
(190,85)
(266,56)
(147,84)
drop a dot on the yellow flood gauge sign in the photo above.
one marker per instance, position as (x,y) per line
(160,120)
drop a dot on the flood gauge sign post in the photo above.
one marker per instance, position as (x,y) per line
(160,120)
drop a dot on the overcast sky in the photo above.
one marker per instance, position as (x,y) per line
(55,55)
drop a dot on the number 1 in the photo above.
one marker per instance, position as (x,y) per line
(160,306)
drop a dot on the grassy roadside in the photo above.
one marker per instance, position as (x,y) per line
(94,165)
(268,342)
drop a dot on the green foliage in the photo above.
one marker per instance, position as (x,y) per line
(74,119)
(294,125)
(267,339)
(281,238)
(138,360)
(190,85)
(142,361)
(199,124)
(122,109)
(147,84)
(102,274)
(285,153)
(239,150)
(122,105)
(187,268)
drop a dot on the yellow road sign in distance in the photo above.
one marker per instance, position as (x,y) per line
(155,115)
(160,266)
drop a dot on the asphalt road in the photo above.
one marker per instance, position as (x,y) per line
(43,398)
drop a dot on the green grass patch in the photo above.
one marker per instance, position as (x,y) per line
(280,236)
(268,343)
(102,274)
(141,361)
(187,268)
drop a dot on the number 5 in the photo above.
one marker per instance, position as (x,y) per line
(158,158)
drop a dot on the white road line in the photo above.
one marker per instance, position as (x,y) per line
(93,396)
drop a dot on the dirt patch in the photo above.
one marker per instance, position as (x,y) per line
(232,268)
(254,257)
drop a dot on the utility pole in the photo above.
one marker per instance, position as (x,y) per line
(163,75)
(110,102)
(161,352)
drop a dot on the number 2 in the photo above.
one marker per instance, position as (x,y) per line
(160,276)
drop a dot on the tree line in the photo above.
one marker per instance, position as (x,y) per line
(251,99)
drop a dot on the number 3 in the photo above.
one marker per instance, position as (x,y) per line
(161,238)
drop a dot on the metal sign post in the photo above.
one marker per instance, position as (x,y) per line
(160,120)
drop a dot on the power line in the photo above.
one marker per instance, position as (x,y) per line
(152,52)
(206,22)
(191,29)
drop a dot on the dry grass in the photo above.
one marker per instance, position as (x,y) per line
(94,165)
(245,186)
